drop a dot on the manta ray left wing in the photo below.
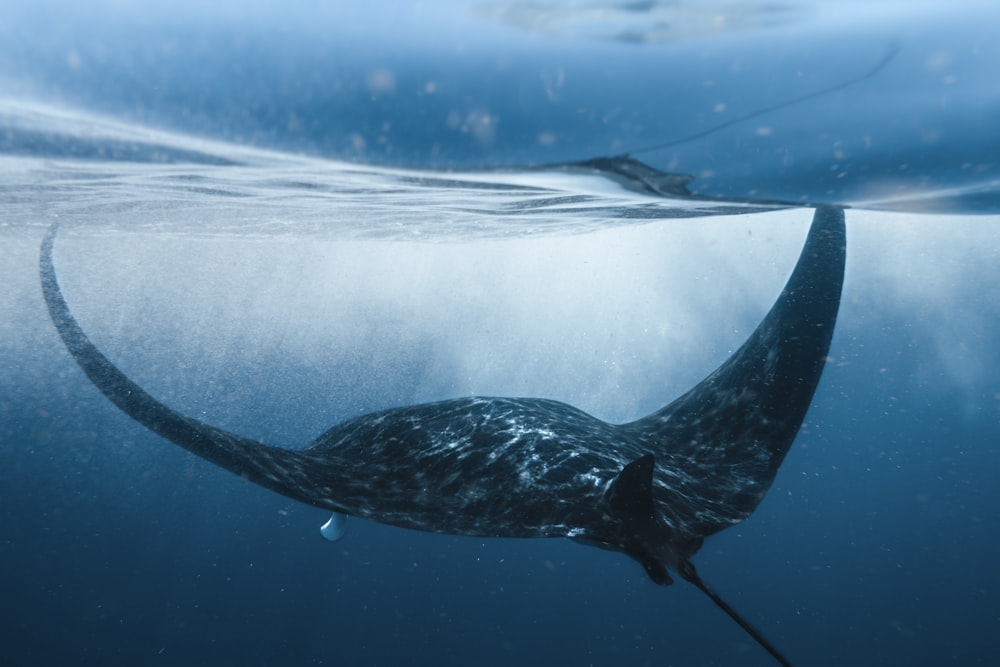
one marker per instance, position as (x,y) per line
(526,467)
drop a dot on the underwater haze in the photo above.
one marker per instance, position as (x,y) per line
(275,217)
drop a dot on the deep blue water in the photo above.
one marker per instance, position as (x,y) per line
(238,237)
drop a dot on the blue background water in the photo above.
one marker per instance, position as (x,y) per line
(877,545)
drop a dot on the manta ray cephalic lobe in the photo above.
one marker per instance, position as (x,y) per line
(653,488)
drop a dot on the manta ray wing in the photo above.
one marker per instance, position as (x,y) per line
(273,468)
(718,446)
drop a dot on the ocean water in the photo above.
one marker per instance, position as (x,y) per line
(275,217)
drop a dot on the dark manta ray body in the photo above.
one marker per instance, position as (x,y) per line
(520,467)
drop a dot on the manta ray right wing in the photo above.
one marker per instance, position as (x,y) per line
(725,438)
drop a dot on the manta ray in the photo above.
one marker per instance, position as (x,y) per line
(653,488)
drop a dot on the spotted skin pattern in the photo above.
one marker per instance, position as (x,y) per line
(526,467)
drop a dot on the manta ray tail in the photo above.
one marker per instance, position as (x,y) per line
(271,467)
(688,571)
